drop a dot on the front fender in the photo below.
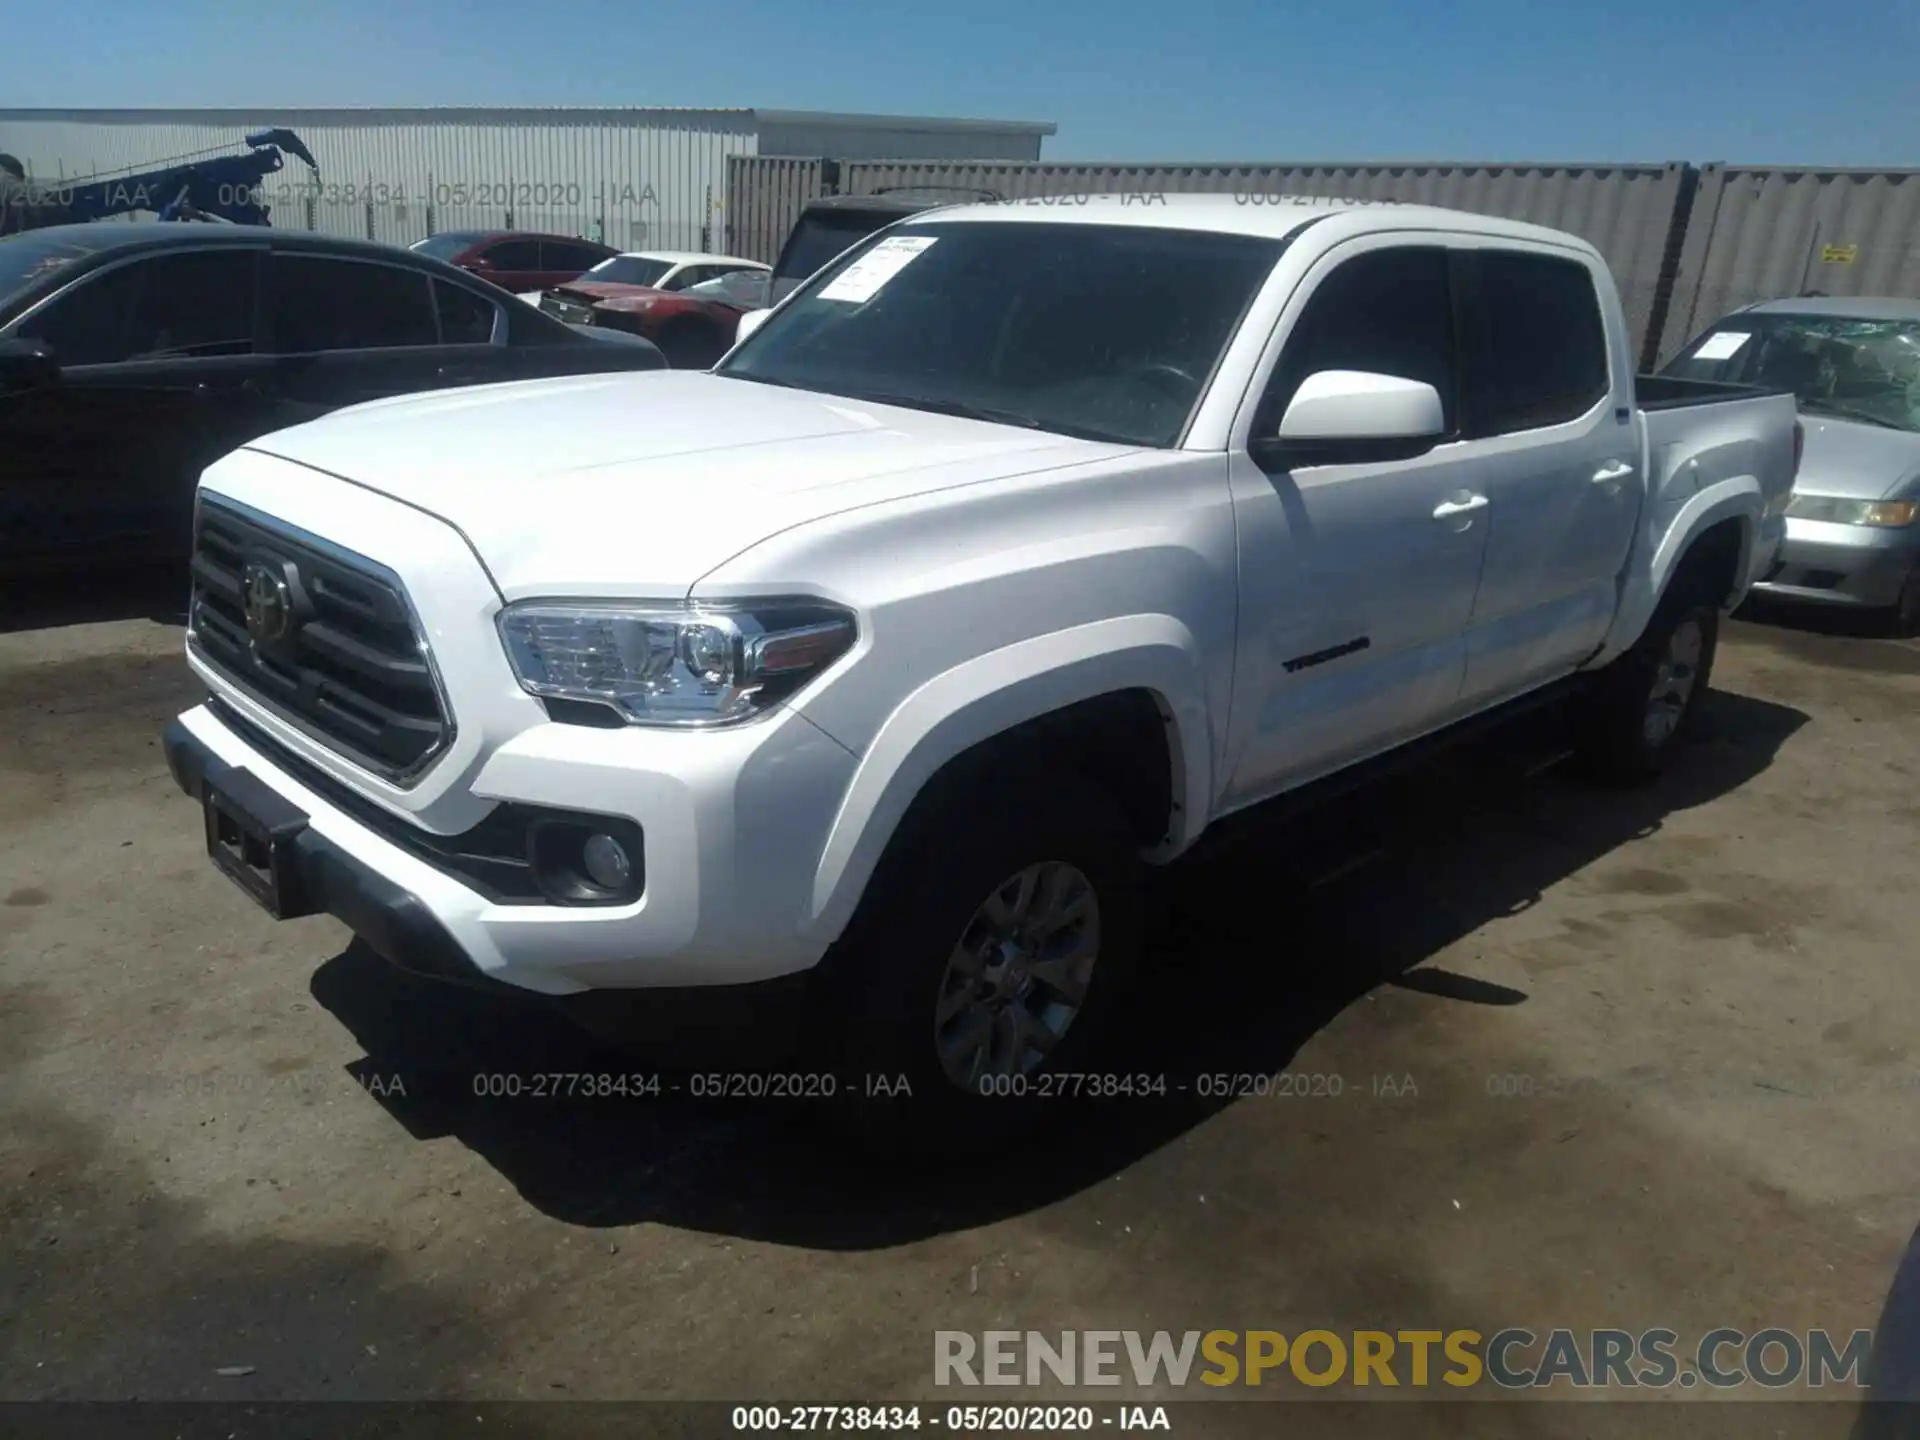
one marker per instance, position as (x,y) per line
(989,695)
(1738,497)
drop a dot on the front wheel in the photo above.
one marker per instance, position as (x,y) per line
(1903,616)
(1644,704)
(983,965)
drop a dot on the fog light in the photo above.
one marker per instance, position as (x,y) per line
(606,863)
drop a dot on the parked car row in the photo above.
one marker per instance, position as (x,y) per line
(688,304)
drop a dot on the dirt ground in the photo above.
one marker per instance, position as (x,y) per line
(1604,1059)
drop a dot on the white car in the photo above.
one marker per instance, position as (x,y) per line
(661,270)
(834,700)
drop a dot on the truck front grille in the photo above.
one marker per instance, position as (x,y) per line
(324,638)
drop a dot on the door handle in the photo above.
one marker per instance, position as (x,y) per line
(1612,474)
(1453,509)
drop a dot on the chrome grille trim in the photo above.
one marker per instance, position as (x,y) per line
(340,679)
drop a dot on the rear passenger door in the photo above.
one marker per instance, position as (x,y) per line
(564,260)
(344,330)
(512,264)
(1547,404)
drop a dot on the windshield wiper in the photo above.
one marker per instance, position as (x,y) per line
(766,380)
(961,408)
(1823,408)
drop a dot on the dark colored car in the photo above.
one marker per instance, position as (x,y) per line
(134,355)
(830,225)
(515,259)
(693,327)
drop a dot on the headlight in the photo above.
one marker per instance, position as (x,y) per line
(1885,514)
(681,665)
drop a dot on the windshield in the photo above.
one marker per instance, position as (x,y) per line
(1104,331)
(823,234)
(27,259)
(449,243)
(628,270)
(1856,369)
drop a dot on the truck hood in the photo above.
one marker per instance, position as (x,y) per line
(1855,460)
(641,483)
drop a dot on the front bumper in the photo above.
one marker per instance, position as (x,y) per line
(1844,565)
(739,1023)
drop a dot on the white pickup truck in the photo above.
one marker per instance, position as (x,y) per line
(828,704)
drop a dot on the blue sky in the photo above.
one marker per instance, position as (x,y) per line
(1761,81)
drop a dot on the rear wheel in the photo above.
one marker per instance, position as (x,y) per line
(987,957)
(1643,706)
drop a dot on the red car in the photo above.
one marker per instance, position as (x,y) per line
(693,327)
(515,259)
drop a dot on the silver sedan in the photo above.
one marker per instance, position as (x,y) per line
(1852,538)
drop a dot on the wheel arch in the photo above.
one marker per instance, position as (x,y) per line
(1715,528)
(1089,697)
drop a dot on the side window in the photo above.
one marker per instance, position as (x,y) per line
(465,319)
(89,324)
(562,255)
(513,255)
(1387,311)
(194,305)
(1542,356)
(315,302)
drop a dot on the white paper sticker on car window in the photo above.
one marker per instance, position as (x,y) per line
(862,280)
(1722,345)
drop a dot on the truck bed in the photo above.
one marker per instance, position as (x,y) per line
(1669,392)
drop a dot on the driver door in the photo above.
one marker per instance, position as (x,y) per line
(1357,581)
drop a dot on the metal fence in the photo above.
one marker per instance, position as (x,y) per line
(1685,243)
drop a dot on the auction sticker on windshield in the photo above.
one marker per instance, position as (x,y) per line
(863,279)
(1723,345)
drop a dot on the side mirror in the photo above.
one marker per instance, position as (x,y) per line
(26,365)
(1356,405)
(750,322)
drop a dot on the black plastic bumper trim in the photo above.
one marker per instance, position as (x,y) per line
(394,921)
(755,1023)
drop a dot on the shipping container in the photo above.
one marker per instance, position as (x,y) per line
(631,178)
(765,195)
(1773,232)
(1629,212)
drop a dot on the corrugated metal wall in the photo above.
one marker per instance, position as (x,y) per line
(1768,233)
(1627,211)
(765,195)
(634,178)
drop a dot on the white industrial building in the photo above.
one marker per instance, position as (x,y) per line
(630,177)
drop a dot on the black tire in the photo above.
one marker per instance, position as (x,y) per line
(884,976)
(1617,744)
(1902,620)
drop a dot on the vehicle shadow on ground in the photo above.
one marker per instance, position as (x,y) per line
(1893,1374)
(1250,954)
(44,602)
